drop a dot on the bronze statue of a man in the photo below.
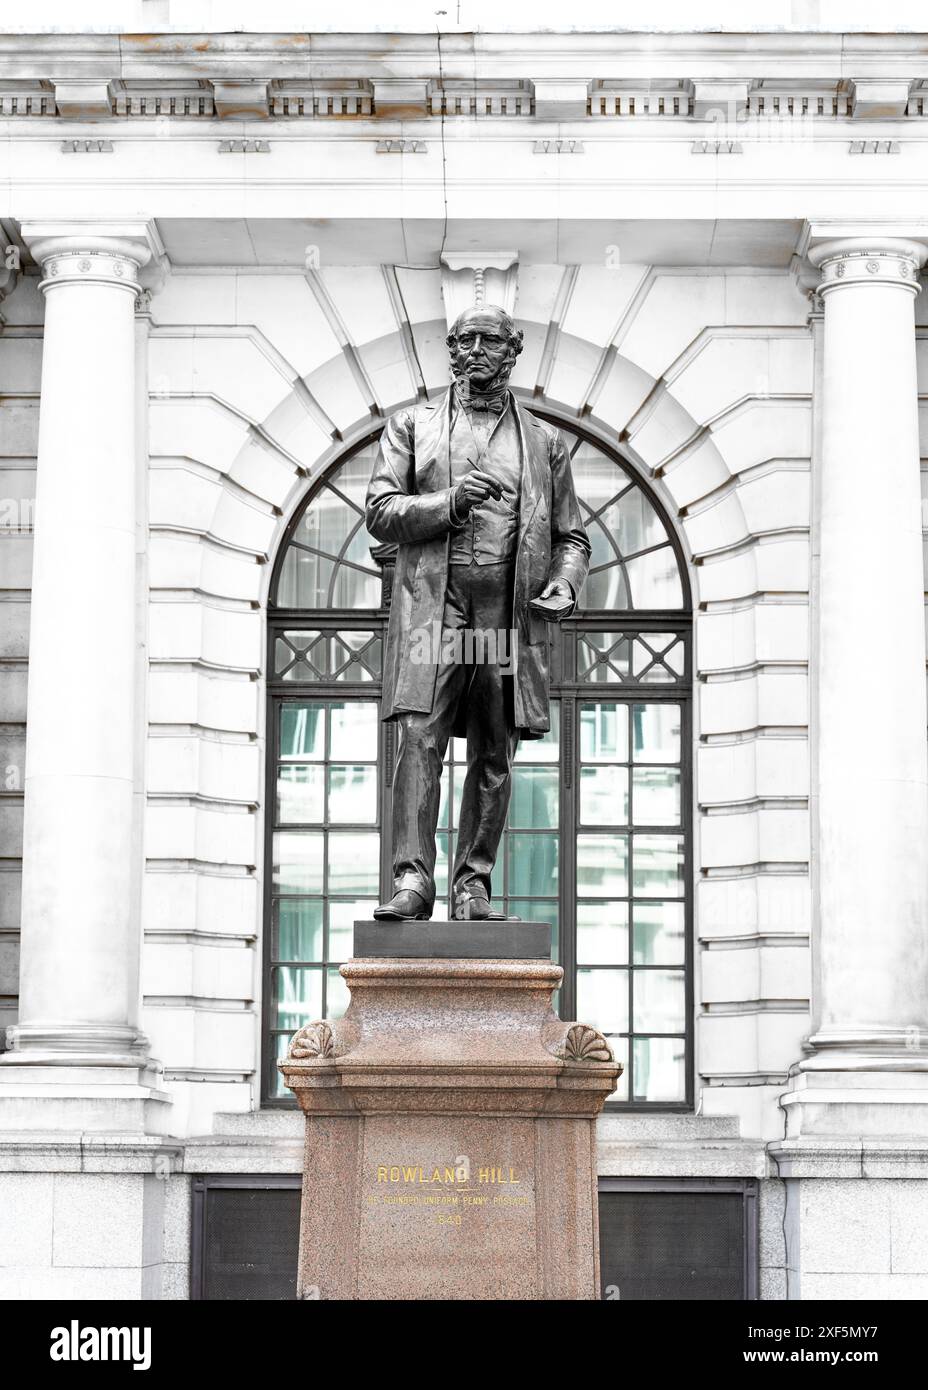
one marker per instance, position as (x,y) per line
(478,497)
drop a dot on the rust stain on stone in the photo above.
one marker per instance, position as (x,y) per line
(401,113)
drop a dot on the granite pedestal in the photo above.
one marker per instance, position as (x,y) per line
(450,1116)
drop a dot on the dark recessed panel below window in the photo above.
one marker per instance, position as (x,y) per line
(246,1241)
(673,1246)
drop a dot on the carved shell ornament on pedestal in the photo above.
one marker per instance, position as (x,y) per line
(312,1042)
(584,1044)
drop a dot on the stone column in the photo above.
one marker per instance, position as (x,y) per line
(872,754)
(80,954)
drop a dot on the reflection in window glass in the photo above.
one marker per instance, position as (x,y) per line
(535,797)
(660,1001)
(299,929)
(630,774)
(657,795)
(658,863)
(302,730)
(602,999)
(533,864)
(654,579)
(602,933)
(658,934)
(659,1070)
(325,874)
(297,861)
(300,793)
(603,795)
(656,733)
(328,562)
(353,793)
(604,732)
(602,865)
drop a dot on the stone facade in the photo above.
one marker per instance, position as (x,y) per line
(230,258)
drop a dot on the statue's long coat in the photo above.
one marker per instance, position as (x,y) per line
(408,503)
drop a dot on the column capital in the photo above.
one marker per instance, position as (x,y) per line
(880,260)
(87,252)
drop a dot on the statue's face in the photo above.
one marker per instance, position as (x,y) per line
(480,350)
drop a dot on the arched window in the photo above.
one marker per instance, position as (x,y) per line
(597,840)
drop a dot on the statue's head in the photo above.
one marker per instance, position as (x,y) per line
(484,344)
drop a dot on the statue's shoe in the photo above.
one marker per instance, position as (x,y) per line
(405,906)
(474,907)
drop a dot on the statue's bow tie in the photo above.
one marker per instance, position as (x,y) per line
(491,405)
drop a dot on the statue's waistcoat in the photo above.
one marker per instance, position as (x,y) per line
(491,532)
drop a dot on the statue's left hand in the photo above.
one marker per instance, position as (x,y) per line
(558,588)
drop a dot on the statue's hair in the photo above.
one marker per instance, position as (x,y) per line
(514,335)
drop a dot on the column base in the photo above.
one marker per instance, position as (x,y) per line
(42,1093)
(74,1044)
(855,1105)
(866,1049)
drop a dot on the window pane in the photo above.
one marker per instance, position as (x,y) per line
(444,796)
(602,933)
(660,1001)
(596,477)
(656,796)
(656,733)
(354,589)
(655,580)
(659,1069)
(299,928)
(603,657)
(354,654)
(296,865)
(298,995)
(635,525)
(658,866)
(342,917)
(353,794)
(604,795)
(444,844)
(304,580)
(605,589)
(533,864)
(602,999)
(302,730)
(535,793)
(354,731)
(354,475)
(602,866)
(603,551)
(540,750)
(354,863)
(358,551)
(300,793)
(658,934)
(604,732)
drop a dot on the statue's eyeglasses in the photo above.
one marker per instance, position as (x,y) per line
(489,339)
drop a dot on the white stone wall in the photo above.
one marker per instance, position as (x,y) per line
(53,1244)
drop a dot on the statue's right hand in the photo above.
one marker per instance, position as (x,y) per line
(475,488)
